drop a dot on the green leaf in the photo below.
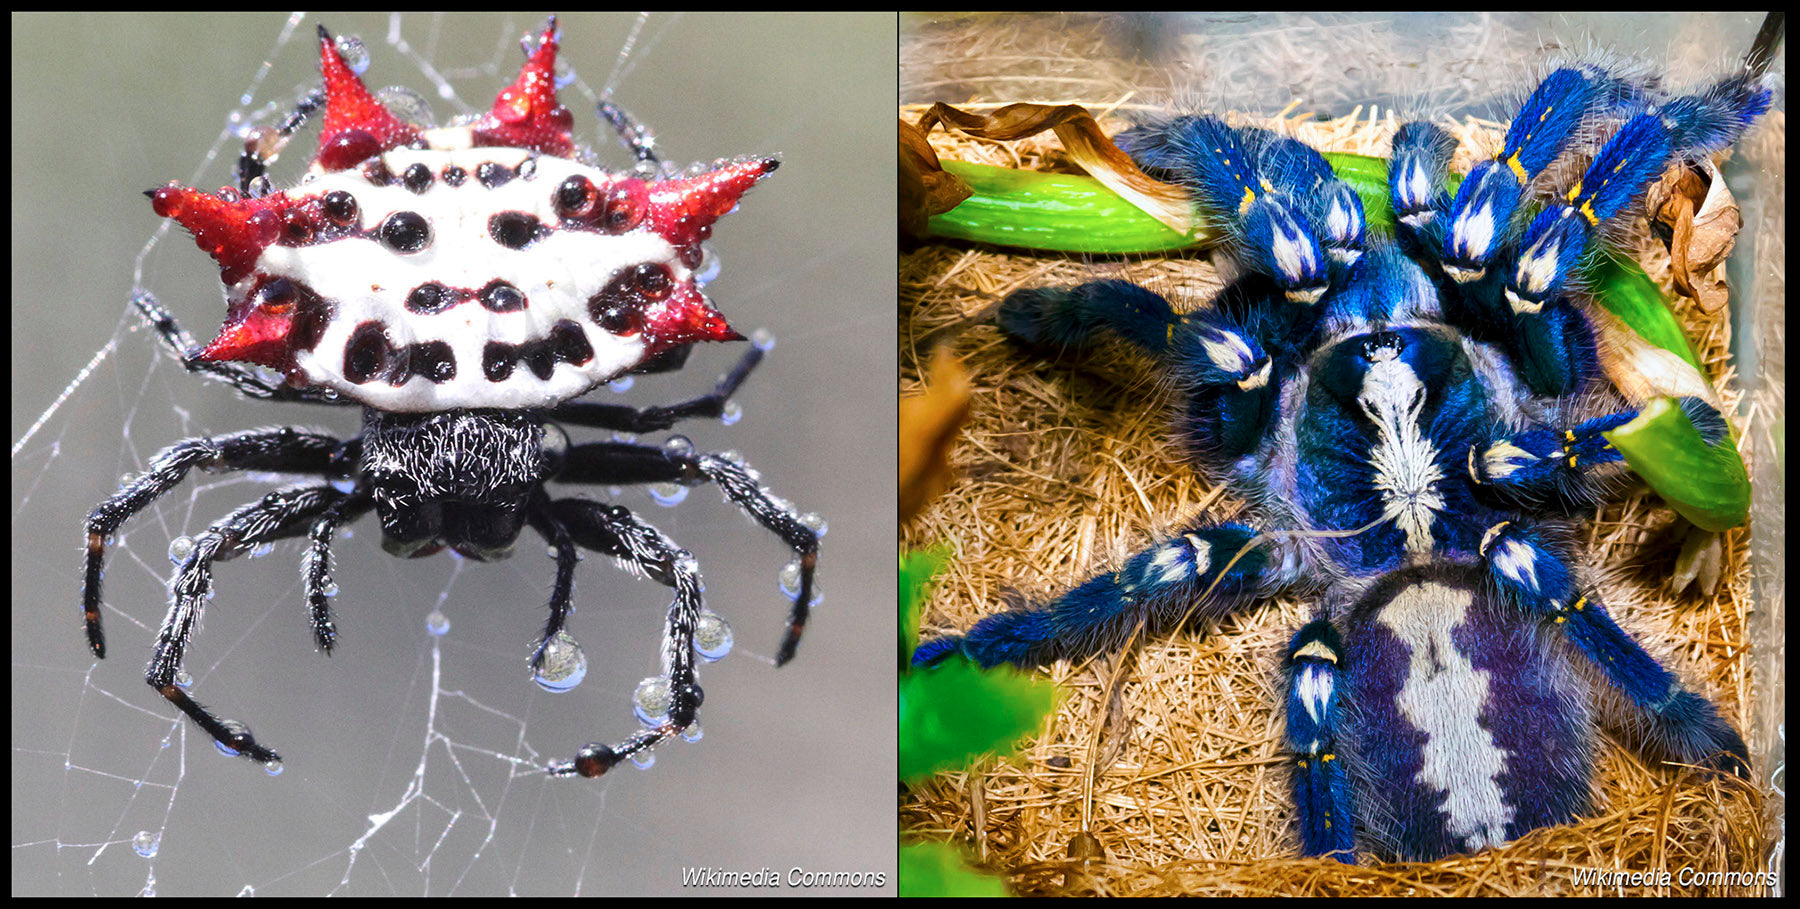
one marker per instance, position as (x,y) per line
(1622,288)
(956,711)
(916,571)
(1706,484)
(939,869)
(1057,212)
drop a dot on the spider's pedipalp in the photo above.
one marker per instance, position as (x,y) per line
(1417,180)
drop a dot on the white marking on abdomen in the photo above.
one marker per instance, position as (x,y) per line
(1443,696)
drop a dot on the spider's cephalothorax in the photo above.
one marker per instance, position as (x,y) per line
(463,285)
(1413,419)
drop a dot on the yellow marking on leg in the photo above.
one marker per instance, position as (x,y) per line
(1512,163)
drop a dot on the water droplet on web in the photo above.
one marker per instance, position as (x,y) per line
(764,339)
(790,579)
(146,844)
(709,266)
(643,760)
(652,700)
(180,548)
(235,729)
(731,413)
(667,495)
(678,446)
(712,636)
(272,768)
(354,52)
(437,623)
(692,733)
(563,665)
(620,385)
(407,104)
(814,522)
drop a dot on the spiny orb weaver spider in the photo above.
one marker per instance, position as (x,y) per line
(1412,420)
(464,285)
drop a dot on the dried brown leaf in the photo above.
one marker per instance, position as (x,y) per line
(1086,143)
(925,189)
(929,424)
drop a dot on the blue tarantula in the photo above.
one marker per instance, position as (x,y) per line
(1412,416)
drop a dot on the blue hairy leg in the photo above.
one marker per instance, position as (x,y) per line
(1676,724)
(1220,358)
(1207,570)
(1568,466)
(1301,173)
(1553,349)
(1483,213)
(1559,237)
(1271,228)
(1321,789)
(1057,319)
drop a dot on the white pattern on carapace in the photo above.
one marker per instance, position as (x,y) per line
(364,280)
(1443,696)
(1405,462)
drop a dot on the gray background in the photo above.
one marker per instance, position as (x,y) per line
(796,767)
